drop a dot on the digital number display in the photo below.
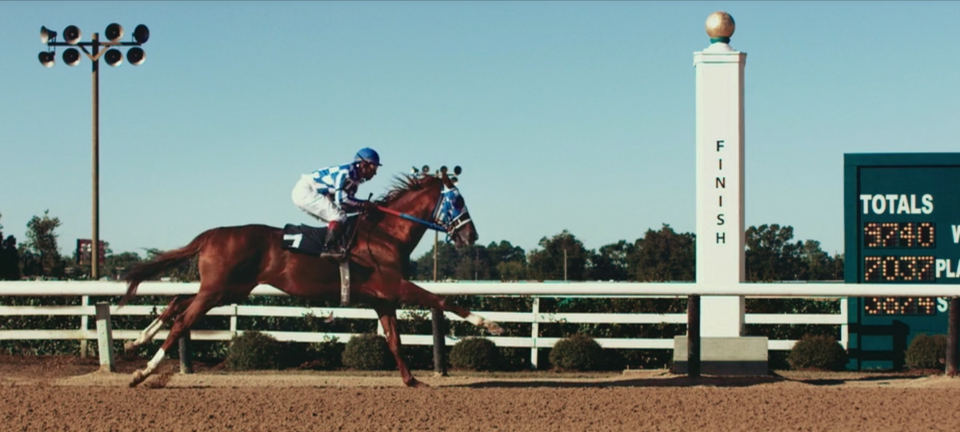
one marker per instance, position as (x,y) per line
(907,235)
(900,306)
(893,268)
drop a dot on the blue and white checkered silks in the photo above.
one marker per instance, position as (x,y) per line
(340,183)
(451,212)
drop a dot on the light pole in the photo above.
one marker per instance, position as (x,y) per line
(113,57)
(436,315)
(564,263)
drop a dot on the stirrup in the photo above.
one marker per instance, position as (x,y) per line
(332,248)
(338,254)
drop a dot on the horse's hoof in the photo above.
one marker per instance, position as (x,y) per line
(137,378)
(416,383)
(129,346)
(494,328)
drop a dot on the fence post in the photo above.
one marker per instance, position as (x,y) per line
(84,325)
(693,336)
(233,321)
(105,337)
(845,327)
(535,332)
(953,326)
(439,343)
(186,366)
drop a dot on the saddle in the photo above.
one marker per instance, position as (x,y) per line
(309,240)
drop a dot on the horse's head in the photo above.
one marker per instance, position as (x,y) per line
(452,213)
(434,199)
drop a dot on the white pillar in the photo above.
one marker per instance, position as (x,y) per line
(720,224)
(105,337)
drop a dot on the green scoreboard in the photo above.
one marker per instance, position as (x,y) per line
(901,226)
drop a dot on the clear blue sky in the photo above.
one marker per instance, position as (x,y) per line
(564,115)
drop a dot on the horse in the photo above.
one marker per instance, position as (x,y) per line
(234,260)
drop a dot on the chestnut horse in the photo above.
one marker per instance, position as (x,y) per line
(234,260)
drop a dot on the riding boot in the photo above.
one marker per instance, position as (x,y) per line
(332,246)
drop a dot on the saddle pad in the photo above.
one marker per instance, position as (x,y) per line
(304,238)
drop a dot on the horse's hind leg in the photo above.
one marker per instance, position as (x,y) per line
(176,306)
(388,317)
(202,303)
(412,293)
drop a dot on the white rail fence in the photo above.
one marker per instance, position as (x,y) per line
(534,317)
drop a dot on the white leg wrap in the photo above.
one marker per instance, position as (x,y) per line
(152,364)
(153,330)
(147,334)
(475,319)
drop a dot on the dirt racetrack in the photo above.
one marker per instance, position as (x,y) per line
(68,394)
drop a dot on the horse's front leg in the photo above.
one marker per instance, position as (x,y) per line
(388,318)
(412,293)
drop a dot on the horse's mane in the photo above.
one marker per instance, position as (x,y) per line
(403,183)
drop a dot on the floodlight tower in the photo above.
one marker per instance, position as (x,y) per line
(113,57)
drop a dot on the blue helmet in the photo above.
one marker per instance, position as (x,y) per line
(368,154)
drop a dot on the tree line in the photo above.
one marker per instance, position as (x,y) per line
(662,255)
(658,256)
(40,256)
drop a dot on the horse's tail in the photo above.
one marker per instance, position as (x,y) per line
(163,262)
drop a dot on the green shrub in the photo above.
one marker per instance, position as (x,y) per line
(254,350)
(514,359)
(326,355)
(475,353)
(578,352)
(368,351)
(818,352)
(927,352)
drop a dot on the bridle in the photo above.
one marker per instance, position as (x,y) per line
(449,215)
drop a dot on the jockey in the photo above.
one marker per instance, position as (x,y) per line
(328,194)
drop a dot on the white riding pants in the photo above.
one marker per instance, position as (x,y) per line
(306,198)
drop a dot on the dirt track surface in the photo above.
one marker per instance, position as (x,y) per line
(71,395)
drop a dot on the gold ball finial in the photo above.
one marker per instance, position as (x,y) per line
(720,27)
